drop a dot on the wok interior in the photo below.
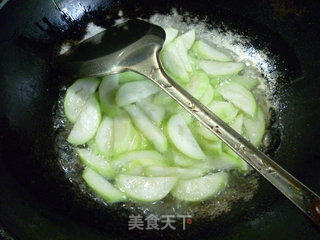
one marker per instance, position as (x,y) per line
(34,182)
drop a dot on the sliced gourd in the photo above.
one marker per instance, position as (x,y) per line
(102,186)
(132,92)
(207,97)
(215,81)
(216,95)
(213,68)
(141,163)
(155,112)
(194,62)
(130,76)
(137,141)
(255,127)
(240,164)
(143,156)
(182,173)
(213,148)
(137,171)
(246,81)
(239,96)
(107,91)
(224,110)
(182,138)
(162,98)
(145,189)
(172,63)
(123,134)
(199,83)
(171,34)
(77,95)
(87,123)
(96,162)
(183,53)
(237,124)
(147,128)
(187,117)
(223,162)
(207,52)
(93,146)
(200,189)
(188,38)
(182,160)
(144,143)
(104,137)
(205,132)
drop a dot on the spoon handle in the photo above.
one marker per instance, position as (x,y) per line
(293,189)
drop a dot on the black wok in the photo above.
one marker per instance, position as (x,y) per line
(37,201)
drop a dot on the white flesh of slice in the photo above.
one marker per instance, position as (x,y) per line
(213,68)
(77,95)
(104,137)
(103,187)
(239,96)
(200,189)
(147,128)
(181,136)
(132,92)
(145,189)
(87,123)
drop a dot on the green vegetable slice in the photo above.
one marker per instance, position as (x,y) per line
(87,123)
(246,81)
(188,38)
(207,52)
(255,127)
(171,34)
(194,62)
(77,95)
(200,189)
(96,162)
(205,132)
(130,76)
(172,63)
(102,187)
(213,68)
(124,134)
(182,173)
(213,148)
(147,128)
(224,110)
(223,162)
(239,96)
(123,160)
(132,92)
(237,124)
(104,137)
(107,91)
(162,98)
(199,83)
(207,97)
(183,53)
(155,112)
(145,189)
(181,136)
(181,160)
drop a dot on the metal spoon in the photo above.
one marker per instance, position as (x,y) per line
(134,45)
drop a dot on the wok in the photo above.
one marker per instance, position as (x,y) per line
(37,201)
